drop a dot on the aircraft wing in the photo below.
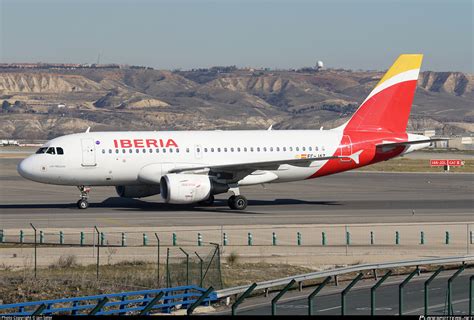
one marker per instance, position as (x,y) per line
(253,166)
(407,143)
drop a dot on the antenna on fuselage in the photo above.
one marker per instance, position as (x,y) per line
(88,129)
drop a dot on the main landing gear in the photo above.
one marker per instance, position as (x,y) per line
(83,203)
(237,202)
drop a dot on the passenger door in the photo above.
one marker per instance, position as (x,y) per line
(88,153)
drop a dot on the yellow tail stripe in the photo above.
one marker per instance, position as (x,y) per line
(404,63)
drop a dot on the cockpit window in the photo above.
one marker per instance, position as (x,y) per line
(41,150)
(59,150)
(51,151)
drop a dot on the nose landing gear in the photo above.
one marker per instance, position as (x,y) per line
(83,203)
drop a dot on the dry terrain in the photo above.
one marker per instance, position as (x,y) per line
(45,103)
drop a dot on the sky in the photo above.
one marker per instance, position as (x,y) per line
(363,34)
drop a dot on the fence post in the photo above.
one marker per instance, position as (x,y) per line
(450,282)
(348,238)
(199,239)
(249,239)
(22,236)
(196,304)
(225,239)
(242,298)
(167,267)
(346,291)
(152,303)
(314,293)
(99,306)
(2,235)
(81,239)
(39,310)
(175,240)
(145,240)
(187,265)
(422,237)
(397,237)
(274,239)
(323,238)
(447,238)
(41,237)
(471,294)
(400,290)
(157,260)
(372,291)
(280,294)
(200,268)
(298,238)
(426,285)
(371,237)
(102,239)
(61,237)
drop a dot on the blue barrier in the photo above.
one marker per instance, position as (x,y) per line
(118,303)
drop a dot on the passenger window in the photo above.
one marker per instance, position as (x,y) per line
(304,148)
(177,150)
(297,148)
(284,148)
(103,151)
(123,150)
(310,148)
(218,149)
(245,149)
(212,149)
(271,148)
(130,151)
(265,149)
(238,149)
(164,150)
(59,150)
(157,150)
(232,149)
(291,148)
(225,149)
(41,150)
(187,150)
(171,150)
(278,148)
(205,149)
(316,148)
(110,150)
(258,149)
(51,151)
(116,150)
(251,149)
(137,150)
(198,150)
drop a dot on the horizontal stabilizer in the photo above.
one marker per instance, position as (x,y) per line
(407,143)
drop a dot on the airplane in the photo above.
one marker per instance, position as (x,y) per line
(191,167)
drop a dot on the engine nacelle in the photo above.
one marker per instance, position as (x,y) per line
(139,191)
(188,188)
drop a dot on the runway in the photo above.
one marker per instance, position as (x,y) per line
(352,197)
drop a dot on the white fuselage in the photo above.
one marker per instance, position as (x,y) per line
(117,158)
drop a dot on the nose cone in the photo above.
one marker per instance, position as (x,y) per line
(25,168)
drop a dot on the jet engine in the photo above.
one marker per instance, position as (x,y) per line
(189,188)
(139,191)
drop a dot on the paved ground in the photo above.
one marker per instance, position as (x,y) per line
(328,302)
(353,197)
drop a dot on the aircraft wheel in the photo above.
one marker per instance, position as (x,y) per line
(231,202)
(82,204)
(240,203)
